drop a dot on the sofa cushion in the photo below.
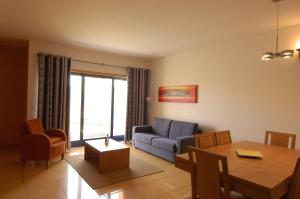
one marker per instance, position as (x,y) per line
(144,137)
(164,143)
(180,129)
(161,127)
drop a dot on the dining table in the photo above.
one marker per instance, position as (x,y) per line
(257,178)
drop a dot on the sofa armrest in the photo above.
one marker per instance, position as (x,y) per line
(56,133)
(35,146)
(184,142)
(142,129)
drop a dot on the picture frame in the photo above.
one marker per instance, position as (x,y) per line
(180,94)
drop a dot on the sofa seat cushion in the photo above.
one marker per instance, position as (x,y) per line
(55,139)
(165,143)
(180,129)
(145,137)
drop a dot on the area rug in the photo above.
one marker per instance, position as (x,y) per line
(89,172)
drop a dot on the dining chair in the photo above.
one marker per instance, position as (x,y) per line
(223,137)
(280,139)
(207,182)
(294,189)
(205,140)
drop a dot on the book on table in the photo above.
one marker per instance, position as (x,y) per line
(249,153)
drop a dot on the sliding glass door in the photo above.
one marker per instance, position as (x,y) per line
(75,108)
(98,107)
(120,107)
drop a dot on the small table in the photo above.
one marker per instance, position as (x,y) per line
(267,178)
(109,157)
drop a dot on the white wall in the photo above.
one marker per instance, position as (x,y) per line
(76,53)
(237,91)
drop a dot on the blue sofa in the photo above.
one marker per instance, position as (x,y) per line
(165,138)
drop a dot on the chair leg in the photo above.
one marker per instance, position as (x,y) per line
(47,164)
(23,163)
(62,156)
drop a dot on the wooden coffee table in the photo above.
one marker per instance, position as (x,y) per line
(109,157)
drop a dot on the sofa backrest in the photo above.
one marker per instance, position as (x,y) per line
(180,129)
(161,127)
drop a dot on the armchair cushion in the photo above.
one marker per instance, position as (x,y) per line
(161,126)
(180,129)
(165,143)
(144,137)
(33,126)
(184,142)
(55,139)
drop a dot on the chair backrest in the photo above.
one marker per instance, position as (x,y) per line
(223,137)
(208,178)
(280,139)
(294,189)
(205,140)
(33,126)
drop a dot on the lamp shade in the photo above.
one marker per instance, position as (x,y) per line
(287,54)
(267,56)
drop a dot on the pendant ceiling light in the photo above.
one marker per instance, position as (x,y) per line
(282,54)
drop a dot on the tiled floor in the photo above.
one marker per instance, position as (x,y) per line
(61,181)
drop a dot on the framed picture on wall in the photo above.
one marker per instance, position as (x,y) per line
(187,94)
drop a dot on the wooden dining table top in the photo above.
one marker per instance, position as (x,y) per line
(276,166)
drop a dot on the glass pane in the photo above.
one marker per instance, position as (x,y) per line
(97,107)
(75,107)
(120,107)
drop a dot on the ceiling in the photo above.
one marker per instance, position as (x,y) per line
(144,28)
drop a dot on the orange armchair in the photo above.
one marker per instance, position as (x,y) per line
(38,144)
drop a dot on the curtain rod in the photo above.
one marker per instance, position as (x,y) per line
(102,64)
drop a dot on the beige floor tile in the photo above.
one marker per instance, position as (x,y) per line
(152,189)
(184,192)
(15,192)
(114,188)
(59,195)
(61,181)
(12,187)
(76,187)
(129,193)
(170,196)
(173,182)
(36,189)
